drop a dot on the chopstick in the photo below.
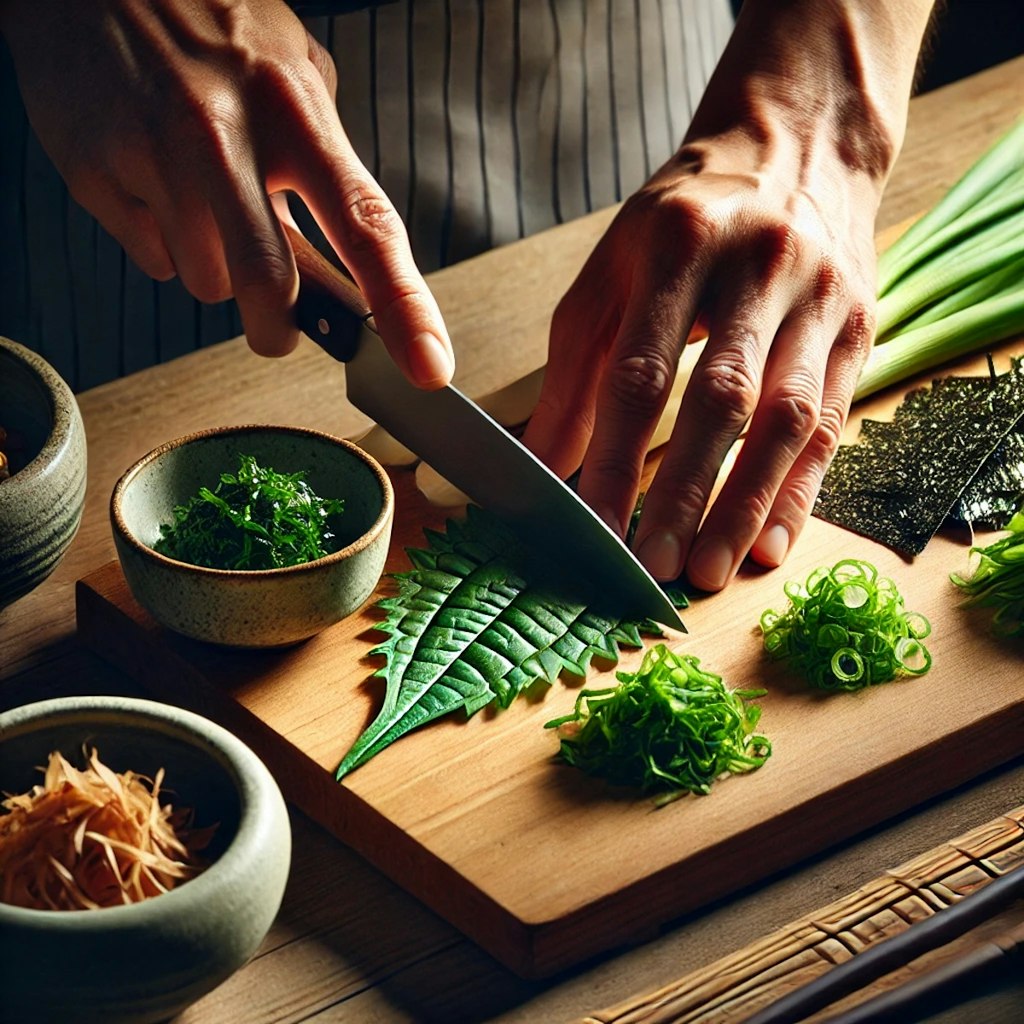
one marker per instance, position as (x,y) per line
(896,1005)
(886,956)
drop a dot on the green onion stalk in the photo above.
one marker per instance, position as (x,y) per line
(953,282)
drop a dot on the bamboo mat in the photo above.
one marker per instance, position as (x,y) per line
(735,987)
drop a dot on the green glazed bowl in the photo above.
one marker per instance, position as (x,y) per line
(41,503)
(145,962)
(252,608)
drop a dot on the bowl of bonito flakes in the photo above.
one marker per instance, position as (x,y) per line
(143,857)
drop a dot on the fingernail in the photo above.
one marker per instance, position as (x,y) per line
(431,363)
(661,552)
(773,545)
(711,564)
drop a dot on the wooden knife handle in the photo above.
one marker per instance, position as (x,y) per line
(330,307)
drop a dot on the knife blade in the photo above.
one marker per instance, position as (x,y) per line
(470,449)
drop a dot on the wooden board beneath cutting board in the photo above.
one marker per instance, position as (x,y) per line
(539,864)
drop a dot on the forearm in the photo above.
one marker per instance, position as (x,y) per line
(806,79)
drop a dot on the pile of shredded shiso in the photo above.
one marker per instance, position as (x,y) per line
(670,728)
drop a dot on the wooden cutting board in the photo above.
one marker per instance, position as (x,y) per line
(540,865)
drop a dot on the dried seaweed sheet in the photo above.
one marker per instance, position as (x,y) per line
(997,492)
(901,479)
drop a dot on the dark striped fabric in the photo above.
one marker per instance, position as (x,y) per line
(483,120)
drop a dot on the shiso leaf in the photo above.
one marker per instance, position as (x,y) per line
(669,728)
(901,480)
(469,628)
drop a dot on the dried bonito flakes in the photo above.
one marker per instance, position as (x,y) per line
(85,839)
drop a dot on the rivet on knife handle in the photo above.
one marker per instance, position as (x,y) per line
(330,308)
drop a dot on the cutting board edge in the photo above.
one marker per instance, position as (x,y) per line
(537,949)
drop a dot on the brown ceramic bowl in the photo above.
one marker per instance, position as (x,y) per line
(252,608)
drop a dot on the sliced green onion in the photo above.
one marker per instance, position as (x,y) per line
(846,628)
(998,579)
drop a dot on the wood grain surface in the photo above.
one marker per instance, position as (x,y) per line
(348,944)
(737,986)
(448,808)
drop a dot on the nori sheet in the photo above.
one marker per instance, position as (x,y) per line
(997,492)
(901,480)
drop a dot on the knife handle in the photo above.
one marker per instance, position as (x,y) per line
(330,308)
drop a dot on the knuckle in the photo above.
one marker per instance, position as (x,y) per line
(802,490)
(828,285)
(404,299)
(757,505)
(826,436)
(793,414)
(370,221)
(728,387)
(681,223)
(687,497)
(778,248)
(260,263)
(691,223)
(637,383)
(617,474)
(324,64)
(858,334)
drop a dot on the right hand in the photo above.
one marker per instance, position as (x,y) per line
(174,122)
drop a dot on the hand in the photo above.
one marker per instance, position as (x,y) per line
(174,122)
(761,229)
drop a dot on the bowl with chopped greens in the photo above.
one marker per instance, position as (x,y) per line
(42,470)
(253,536)
(144,852)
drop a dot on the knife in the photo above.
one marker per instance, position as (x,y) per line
(471,450)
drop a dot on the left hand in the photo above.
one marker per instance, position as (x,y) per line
(761,229)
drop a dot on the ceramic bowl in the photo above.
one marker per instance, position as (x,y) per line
(147,961)
(257,608)
(41,502)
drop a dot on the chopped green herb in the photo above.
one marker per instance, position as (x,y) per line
(998,580)
(471,626)
(256,518)
(846,628)
(669,728)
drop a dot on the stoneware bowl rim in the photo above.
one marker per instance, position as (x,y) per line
(365,540)
(250,777)
(62,417)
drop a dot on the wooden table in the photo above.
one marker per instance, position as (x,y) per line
(349,945)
